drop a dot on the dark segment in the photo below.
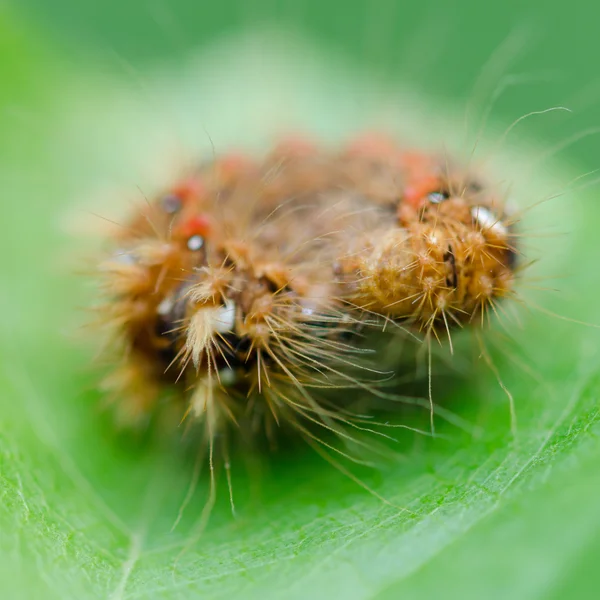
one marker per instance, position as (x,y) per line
(171,204)
(450,260)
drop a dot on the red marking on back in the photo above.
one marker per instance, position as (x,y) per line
(297,146)
(417,189)
(420,175)
(195,225)
(372,144)
(232,165)
(189,188)
(416,162)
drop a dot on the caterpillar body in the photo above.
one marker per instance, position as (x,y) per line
(253,285)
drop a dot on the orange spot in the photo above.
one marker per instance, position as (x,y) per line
(297,146)
(195,225)
(372,144)
(416,162)
(418,188)
(233,164)
(189,188)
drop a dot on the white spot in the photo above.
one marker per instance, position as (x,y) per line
(195,243)
(227,377)
(165,307)
(225,317)
(307,311)
(488,220)
(437,197)
(124,257)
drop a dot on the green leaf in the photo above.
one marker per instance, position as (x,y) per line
(88,513)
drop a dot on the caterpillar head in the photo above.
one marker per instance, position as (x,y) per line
(447,259)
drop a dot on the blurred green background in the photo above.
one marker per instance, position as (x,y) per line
(442,47)
(87,514)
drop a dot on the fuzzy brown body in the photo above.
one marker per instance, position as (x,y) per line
(247,283)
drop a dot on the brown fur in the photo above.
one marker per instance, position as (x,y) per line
(239,287)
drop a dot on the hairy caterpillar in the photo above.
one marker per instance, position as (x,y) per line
(254,285)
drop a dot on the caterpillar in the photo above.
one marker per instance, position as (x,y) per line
(255,288)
